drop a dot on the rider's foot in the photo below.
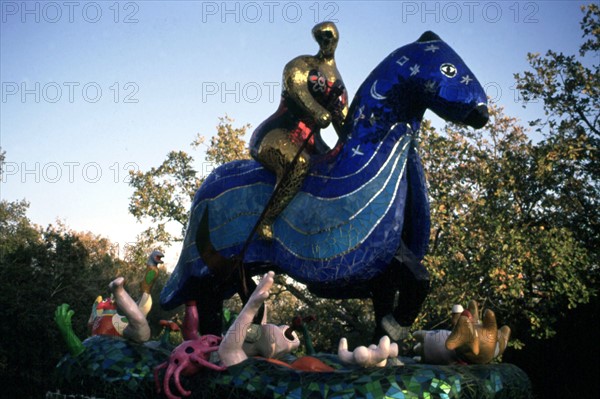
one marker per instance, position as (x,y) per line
(265,231)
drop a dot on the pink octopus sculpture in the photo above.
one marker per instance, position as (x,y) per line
(187,359)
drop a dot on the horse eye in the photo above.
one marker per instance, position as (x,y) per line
(448,69)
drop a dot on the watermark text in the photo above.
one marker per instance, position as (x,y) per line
(268,11)
(470,11)
(54,92)
(53,12)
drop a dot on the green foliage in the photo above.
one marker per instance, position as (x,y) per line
(227,145)
(2,158)
(493,238)
(568,157)
(42,268)
(164,194)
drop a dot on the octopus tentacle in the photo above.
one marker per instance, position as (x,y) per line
(156,379)
(203,362)
(174,371)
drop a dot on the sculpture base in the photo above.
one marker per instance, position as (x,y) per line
(126,371)
(259,379)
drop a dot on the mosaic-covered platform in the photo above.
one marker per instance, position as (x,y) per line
(261,379)
(125,371)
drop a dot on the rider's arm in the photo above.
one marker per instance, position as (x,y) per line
(340,112)
(295,78)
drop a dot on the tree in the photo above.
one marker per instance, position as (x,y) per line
(491,239)
(568,157)
(42,268)
(164,194)
(227,145)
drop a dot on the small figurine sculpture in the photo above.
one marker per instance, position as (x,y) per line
(132,324)
(313,96)
(373,356)
(470,341)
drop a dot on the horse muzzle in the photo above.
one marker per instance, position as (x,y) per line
(478,117)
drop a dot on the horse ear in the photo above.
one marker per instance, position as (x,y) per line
(428,37)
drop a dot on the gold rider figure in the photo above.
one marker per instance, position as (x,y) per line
(313,96)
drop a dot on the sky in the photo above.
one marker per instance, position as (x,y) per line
(91,90)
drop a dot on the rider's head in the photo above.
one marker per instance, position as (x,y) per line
(326,34)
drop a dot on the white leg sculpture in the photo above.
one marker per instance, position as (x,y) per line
(231,351)
(138,329)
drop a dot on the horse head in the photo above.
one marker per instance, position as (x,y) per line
(426,74)
(450,89)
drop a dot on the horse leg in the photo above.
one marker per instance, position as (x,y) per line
(383,294)
(413,285)
(209,304)
(407,276)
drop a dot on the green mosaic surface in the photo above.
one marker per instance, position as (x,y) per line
(115,368)
(261,379)
(128,366)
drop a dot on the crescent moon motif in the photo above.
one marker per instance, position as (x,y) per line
(374,93)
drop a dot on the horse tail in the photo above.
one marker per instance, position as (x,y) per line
(221,266)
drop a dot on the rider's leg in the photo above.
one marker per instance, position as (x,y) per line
(277,153)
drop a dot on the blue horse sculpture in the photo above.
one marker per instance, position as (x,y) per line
(363,210)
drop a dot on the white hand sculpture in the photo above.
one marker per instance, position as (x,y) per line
(373,356)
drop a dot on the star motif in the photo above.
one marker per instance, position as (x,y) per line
(466,80)
(432,47)
(430,86)
(360,115)
(415,69)
(373,119)
(402,60)
(356,151)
